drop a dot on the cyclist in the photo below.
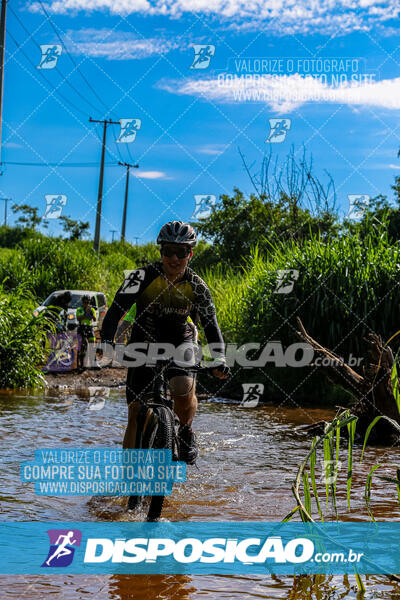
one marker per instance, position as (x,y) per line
(58,311)
(166,293)
(85,314)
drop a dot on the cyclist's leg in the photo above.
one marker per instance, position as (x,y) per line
(183,392)
(139,382)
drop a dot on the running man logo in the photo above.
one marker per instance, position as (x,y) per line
(204,205)
(252,393)
(278,130)
(129,127)
(63,350)
(285,281)
(62,547)
(54,205)
(202,55)
(50,55)
(132,281)
(358,204)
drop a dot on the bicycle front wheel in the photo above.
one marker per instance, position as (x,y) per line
(163,440)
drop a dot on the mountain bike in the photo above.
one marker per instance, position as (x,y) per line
(156,428)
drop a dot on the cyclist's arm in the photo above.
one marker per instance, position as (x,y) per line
(121,304)
(213,335)
(208,319)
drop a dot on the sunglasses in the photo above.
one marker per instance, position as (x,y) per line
(180,252)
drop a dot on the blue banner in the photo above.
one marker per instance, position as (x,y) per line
(199,548)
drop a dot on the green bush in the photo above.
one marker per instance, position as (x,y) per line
(46,264)
(22,340)
(347,287)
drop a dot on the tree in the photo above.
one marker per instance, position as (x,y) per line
(378,214)
(29,217)
(288,202)
(76,229)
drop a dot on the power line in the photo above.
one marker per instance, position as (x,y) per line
(43,77)
(117,144)
(74,165)
(65,79)
(70,57)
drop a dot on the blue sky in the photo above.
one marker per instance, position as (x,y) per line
(136,56)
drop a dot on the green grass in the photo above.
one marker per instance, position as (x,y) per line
(22,340)
(346,288)
(46,264)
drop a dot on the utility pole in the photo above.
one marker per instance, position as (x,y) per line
(96,243)
(128,166)
(112,233)
(5,200)
(2,50)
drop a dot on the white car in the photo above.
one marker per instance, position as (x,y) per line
(98,301)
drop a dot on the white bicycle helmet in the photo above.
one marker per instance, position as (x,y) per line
(177,232)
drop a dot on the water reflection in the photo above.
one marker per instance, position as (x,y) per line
(248,459)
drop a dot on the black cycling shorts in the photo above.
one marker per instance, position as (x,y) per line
(140,380)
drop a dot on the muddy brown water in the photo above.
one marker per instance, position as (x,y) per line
(248,459)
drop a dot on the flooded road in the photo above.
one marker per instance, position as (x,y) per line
(248,460)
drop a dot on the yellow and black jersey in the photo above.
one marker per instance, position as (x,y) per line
(162,307)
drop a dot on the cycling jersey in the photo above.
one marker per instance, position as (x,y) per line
(131,315)
(162,308)
(80,312)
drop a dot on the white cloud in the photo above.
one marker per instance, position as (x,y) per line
(12,145)
(287,92)
(391,166)
(151,175)
(283,16)
(115,45)
(212,149)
